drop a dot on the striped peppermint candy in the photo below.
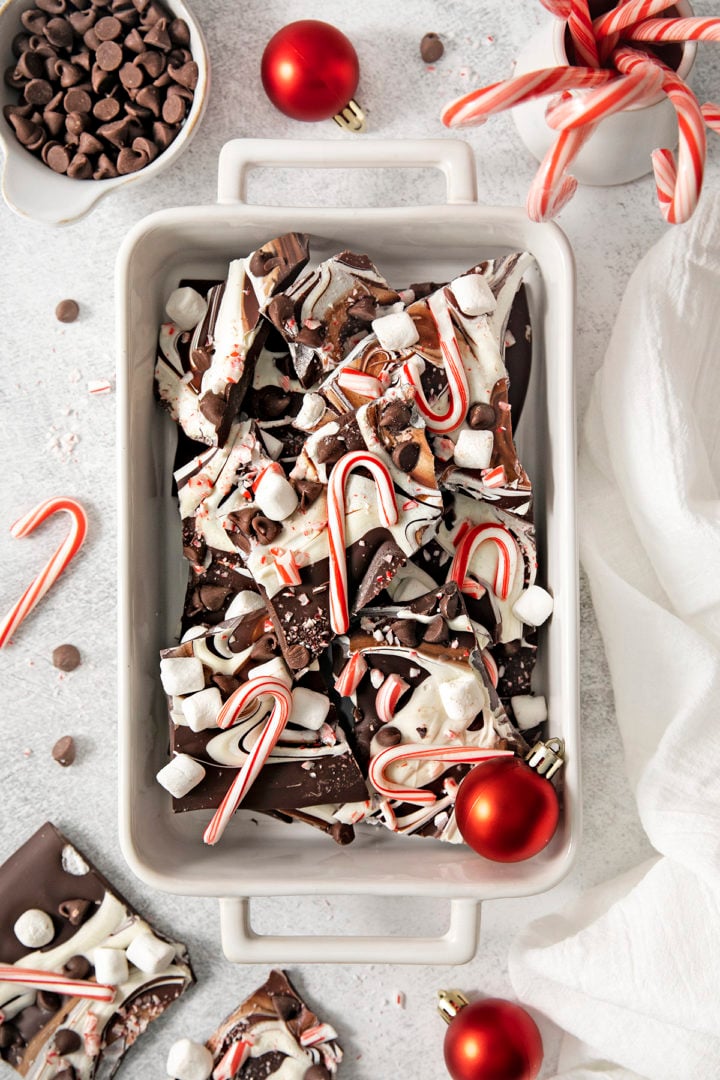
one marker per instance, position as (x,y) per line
(349,678)
(469,542)
(711,116)
(271,732)
(339,605)
(231,1062)
(53,569)
(625,15)
(388,696)
(451,755)
(572,112)
(691,29)
(580,25)
(361,383)
(56,984)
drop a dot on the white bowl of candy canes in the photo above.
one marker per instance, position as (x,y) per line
(275,859)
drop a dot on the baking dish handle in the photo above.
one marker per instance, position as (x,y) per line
(453,157)
(242,945)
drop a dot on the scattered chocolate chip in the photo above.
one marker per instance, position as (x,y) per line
(152,62)
(265,648)
(144,146)
(34,21)
(481,416)
(450,605)
(31,66)
(213,406)
(77,101)
(308,491)
(423,604)
(179,32)
(74,910)
(66,1041)
(329,449)
(297,657)
(64,751)
(82,21)
(313,337)
(66,657)
(47,1001)
(255,526)
(406,632)
(109,55)
(388,736)
(212,597)
(421,731)
(395,417)
(105,169)
(158,36)
(88,144)
(69,74)
(75,124)
(436,632)
(272,403)
(52,7)
(132,76)
(55,123)
(77,967)
(364,309)
(431,48)
(26,131)
(405,455)
(149,97)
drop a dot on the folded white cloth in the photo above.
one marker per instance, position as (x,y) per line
(632,970)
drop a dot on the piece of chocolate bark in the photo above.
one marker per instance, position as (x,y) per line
(204,364)
(60,918)
(275,1034)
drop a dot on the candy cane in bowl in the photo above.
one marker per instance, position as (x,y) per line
(450,755)
(67,551)
(387,503)
(239,700)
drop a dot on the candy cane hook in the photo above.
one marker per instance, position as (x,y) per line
(339,604)
(55,566)
(507,556)
(452,755)
(272,730)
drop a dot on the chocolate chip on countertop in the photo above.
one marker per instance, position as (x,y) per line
(405,455)
(77,967)
(74,910)
(388,736)
(395,417)
(431,48)
(64,751)
(66,657)
(66,1041)
(481,416)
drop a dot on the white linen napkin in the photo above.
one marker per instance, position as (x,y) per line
(632,970)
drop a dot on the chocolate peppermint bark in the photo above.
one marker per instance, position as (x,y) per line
(73,937)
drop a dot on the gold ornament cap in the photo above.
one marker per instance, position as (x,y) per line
(351,118)
(450,1003)
(546,758)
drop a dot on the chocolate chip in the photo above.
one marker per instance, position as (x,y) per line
(200,358)
(108,28)
(102,81)
(265,648)
(226,684)
(481,416)
(431,48)
(31,66)
(173,110)
(152,62)
(77,101)
(158,36)
(34,21)
(13,79)
(132,76)
(91,39)
(179,32)
(405,455)
(19,44)
(77,967)
(64,751)
(109,55)
(82,21)
(297,657)
(74,910)
(364,309)
(27,132)
(144,146)
(38,92)
(134,42)
(395,417)
(163,134)
(66,657)
(388,736)
(69,74)
(286,1007)
(186,75)
(59,33)
(52,7)
(308,491)
(80,168)
(213,407)
(423,605)
(436,632)
(66,1041)
(89,144)
(343,834)
(272,403)
(47,1001)
(422,731)
(450,605)
(105,170)
(130,161)
(75,124)
(55,124)
(406,632)
(313,337)
(212,597)
(329,449)
(106,109)
(149,97)
(58,159)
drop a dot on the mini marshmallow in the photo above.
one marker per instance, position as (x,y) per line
(462,698)
(473,450)
(182,675)
(395,332)
(243,603)
(275,496)
(150,954)
(309,709)
(189,1060)
(186,307)
(111,966)
(311,413)
(273,669)
(181,774)
(529,710)
(473,295)
(534,606)
(34,929)
(201,710)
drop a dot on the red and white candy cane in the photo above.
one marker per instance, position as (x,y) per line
(559,8)
(551,188)
(56,984)
(490,666)
(271,732)
(570,112)
(361,383)
(659,30)
(625,15)
(339,605)
(450,755)
(580,25)
(231,1062)
(689,167)
(474,108)
(711,116)
(507,556)
(388,696)
(286,566)
(351,675)
(53,569)
(458,392)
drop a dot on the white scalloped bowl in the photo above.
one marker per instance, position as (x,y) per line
(31,188)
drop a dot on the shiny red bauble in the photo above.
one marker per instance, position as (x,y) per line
(493,1040)
(505,810)
(310,70)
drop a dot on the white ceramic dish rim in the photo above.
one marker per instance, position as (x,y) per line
(208,872)
(33,190)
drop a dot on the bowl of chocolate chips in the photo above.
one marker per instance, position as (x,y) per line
(95,94)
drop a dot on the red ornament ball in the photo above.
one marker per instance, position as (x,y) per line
(310,70)
(493,1040)
(505,810)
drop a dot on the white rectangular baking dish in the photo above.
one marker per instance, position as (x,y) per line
(409,243)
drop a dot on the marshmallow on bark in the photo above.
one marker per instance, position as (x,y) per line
(462,698)
(311,413)
(149,953)
(181,774)
(188,1060)
(529,710)
(111,966)
(201,710)
(309,709)
(273,669)
(473,295)
(275,496)
(396,331)
(186,307)
(243,603)
(534,606)
(181,675)
(473,450)
(34,929)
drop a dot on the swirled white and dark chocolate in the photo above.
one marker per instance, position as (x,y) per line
(55,1036)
